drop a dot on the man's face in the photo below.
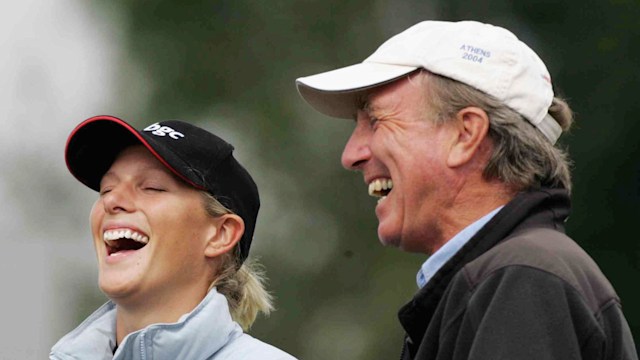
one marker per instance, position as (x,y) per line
(142,201)
(395,142)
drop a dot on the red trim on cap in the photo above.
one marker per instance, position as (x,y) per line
(132,131)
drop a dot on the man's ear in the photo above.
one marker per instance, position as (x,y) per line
(472,125)
(230,228)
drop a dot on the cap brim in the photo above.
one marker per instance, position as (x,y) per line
(337,93)
(94,144)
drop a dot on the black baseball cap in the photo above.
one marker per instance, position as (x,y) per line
(195,155)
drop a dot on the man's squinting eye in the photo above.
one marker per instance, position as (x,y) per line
(373,121)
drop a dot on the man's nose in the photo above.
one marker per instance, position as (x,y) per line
(118,199)
(356,151)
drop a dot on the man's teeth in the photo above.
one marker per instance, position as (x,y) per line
(380,187)
(125,233)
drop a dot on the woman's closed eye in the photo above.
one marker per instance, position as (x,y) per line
(154,188)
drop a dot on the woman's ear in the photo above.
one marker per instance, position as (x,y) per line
(230,228)
(472,124)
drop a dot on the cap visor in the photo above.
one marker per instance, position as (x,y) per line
(337,93)
(94,144)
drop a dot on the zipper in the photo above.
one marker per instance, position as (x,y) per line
(405,346)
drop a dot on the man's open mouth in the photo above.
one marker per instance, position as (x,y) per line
(380,187)
(118,240)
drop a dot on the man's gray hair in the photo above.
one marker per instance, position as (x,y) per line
(522,157)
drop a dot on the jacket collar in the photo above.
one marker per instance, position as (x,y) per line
(197,335)
(537,208)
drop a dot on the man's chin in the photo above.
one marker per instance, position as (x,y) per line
(388,239)
(402,244)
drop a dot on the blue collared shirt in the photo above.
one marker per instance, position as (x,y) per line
(440,257)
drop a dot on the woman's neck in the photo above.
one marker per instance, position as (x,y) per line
(131,317)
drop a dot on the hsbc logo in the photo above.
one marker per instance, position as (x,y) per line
(157,129)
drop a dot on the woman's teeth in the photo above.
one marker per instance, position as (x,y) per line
(110,235)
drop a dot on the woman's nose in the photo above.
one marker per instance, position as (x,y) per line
(118,199)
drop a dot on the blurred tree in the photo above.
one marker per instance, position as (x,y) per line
(233,64)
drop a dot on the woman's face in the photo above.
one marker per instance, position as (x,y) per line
(150,231)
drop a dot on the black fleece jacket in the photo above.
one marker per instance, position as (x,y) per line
(519,289)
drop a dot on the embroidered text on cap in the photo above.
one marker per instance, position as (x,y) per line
(157,129)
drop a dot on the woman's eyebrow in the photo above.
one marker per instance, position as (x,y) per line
(143,170)
(107,175)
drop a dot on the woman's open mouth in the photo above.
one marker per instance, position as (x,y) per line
(118,241)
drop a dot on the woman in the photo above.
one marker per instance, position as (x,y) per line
(172,228)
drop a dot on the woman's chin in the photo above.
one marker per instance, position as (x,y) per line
(117,287)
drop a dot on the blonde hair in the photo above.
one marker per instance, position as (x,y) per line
(242,284)
(522,157)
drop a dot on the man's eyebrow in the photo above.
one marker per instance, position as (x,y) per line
(364,104)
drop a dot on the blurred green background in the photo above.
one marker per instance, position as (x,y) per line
(230,66)
(233,64)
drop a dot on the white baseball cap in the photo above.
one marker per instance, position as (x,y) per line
(486,57)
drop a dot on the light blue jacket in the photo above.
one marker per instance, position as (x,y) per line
(206,333)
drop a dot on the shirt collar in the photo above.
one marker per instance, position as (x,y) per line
(440,257)
(95,337)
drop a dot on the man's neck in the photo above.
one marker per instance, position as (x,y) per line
(470,204)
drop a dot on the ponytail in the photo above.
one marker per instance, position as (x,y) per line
(244,285)
(244,289)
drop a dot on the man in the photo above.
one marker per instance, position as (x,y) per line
(455,126)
